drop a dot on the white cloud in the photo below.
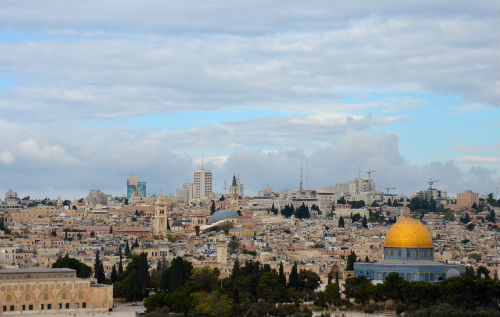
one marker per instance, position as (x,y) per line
(6,158)
(478,160)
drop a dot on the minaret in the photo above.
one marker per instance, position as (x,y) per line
(160,217)
(221,250)
(234,194)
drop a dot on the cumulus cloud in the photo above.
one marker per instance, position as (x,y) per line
(6,157)
(478,159)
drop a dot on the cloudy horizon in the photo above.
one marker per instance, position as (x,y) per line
(92,92)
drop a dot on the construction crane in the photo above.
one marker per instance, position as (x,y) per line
(369,172)
(432,181)
(389,188)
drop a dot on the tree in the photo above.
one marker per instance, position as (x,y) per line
(82,269)
(212,208)
(174,277)
(308,281)
(332,294)
(281,276)
(110,229)
(168,225)
(127,249)
(204,279)
(136,279)
(4,228)
(341,222)
(482,271)
(302,212)
(233,244)
(293,278)
(465,219)
(351,259)
(364,222)
(341,200)
(214,304)
(114,274)
(274,210)
(267,287)
(120,264)
(99,269)
(491,216)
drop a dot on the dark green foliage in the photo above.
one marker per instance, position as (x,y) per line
(99,269)
(465,218)
(351,259)
(356,204)
(341,200)
(114,274)
(364,222)
(212,208)
(274,210)
(491,216)
(4,228)
(302,212)
(174,277)
(355,217)
(341,222)
(417,203)
(287,211)
(82,270)
(135,281)
(293,278)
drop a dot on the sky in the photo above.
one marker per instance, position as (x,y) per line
(94,91)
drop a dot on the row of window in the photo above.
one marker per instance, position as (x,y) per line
(44,306)
(46,286)
(428,277)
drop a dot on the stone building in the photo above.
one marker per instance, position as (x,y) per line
(49,291)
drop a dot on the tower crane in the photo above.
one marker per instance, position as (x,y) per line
(388,188)
(369,172)
(432,181)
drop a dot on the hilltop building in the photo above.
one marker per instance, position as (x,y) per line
(409,251)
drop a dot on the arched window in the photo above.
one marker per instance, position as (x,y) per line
(64,296)
(8,298)
(27,297)
(45,296)
(80,295)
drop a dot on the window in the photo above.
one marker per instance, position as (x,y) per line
(11,307)
(30,307)
(84,305)
(27,297)
(45,296)
(49,306)
(60,305)
(24,307)
(42,306)
(64,296)
(4,308)
(8,298)
(67,305)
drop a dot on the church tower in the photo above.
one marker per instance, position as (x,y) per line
(234,194)
(221,250)
(160,217)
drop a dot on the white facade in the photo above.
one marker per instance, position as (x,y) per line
(185,193)
(202,183)
(361,185)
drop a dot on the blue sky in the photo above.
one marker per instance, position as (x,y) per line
(95,90)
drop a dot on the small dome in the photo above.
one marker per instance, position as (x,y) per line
(408,233)
(452,273)
(222,215)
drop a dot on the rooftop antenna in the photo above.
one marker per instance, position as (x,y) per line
(300,185)
(431,182)
(307,173)
(369,172)
(201,160)
(359,172)
(225,186)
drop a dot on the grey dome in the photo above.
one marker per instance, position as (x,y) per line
(452,273)
(222,215)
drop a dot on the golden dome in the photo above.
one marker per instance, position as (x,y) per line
(408,233)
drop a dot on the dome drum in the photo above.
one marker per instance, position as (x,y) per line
(409,254)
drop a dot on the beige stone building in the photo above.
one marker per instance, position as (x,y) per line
(49,291)
(467,199)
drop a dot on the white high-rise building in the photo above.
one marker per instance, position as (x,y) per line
(202,183)
(361,185)
(185,193)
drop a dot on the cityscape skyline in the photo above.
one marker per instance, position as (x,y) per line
(345,88)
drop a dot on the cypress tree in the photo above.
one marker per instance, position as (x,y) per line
(114,274)
(293,280)
(281,276)
(341,222)
(120,264)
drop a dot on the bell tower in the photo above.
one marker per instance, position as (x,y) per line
(160,217)
(234,194)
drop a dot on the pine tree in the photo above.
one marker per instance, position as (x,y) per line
(281,276)
(127,249)
(110,229)
(293,279)
(99,269)
(114,274)
(341,222)
(120,264)
(364,222)
(212,208)
(351,259)
(168,225)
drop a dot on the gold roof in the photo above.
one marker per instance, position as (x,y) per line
(408,233)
